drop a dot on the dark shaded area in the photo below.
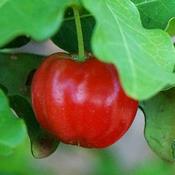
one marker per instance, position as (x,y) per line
(66,38)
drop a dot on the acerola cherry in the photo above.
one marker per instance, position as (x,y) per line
(81,103)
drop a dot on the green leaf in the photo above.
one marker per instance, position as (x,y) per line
(160,123)
(170,29)
(66,38)
(36,19)
(155,13)
(12,129)
(144,58)
(14,72)
(42,143)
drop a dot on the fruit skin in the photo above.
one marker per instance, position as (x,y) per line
(81,103)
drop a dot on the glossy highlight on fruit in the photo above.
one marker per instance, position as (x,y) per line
(81,103)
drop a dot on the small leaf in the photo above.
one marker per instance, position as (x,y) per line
(42,143)
(160,123)
(12,129)
(170,29)
(155,13)
(144,58)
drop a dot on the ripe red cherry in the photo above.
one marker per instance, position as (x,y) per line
(81,103)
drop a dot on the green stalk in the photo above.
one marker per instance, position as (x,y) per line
(81,51)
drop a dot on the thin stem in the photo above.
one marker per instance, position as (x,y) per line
(81,52)
(82,17)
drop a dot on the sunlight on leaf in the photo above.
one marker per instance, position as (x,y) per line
(144,58)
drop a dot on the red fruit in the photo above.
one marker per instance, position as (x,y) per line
(81,103)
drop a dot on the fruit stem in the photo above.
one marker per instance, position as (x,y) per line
(81,51)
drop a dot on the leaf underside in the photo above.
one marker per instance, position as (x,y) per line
(160,121)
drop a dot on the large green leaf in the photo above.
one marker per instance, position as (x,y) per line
(155,13)
(12,129)
(37,19)
(144,58)
(160,123)
(15,70)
